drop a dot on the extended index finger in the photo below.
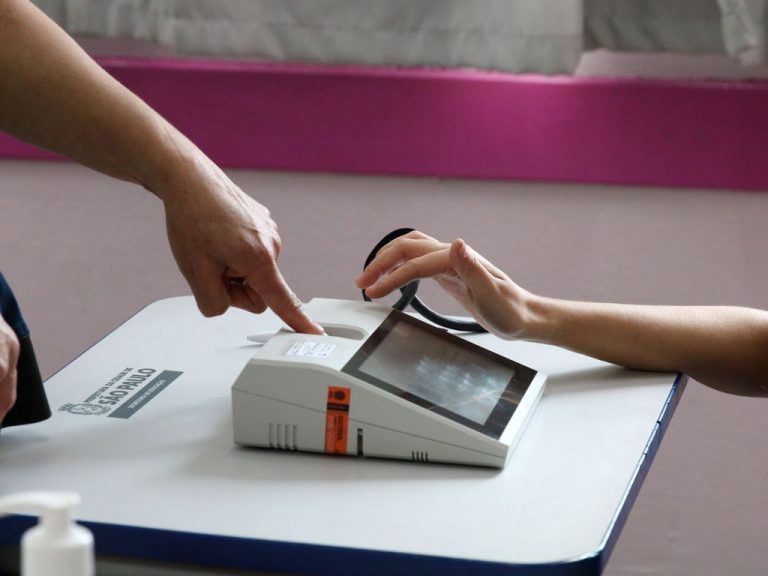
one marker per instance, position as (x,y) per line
(275,292)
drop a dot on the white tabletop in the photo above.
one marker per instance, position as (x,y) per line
(172,465)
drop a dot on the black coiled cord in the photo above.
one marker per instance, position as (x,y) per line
(408,295)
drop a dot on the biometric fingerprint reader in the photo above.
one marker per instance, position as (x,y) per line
(383,384)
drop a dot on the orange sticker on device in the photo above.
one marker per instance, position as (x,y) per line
(337,419)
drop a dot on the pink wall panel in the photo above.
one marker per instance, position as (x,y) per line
(458,123)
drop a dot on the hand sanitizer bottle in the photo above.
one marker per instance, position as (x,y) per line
(56,546)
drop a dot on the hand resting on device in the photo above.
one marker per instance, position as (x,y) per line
(723,347)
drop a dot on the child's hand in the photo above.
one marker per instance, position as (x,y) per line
(497,303)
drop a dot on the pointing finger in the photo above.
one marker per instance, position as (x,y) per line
(275,293)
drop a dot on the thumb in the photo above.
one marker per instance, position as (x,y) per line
(470,267)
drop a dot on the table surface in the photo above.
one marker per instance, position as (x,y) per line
(168,483)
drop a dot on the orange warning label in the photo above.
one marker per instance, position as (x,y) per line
(337,419)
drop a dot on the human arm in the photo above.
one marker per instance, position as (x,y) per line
(53,95)
(9,356)
(723,347)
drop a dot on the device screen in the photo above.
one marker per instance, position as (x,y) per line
(442,372)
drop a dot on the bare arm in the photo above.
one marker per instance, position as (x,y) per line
(53,95)
(723,347)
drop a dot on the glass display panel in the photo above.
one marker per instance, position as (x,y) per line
(442,372)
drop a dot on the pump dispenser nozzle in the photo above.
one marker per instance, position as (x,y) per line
(56,545)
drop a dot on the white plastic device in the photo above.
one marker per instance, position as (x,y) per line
(382,383)
(56,545)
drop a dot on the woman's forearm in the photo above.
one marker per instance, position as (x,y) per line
(723,347)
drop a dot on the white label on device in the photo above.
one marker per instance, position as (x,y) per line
(309,348)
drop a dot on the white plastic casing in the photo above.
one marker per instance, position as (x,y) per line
(280,401)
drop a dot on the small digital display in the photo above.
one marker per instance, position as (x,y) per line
(442,372)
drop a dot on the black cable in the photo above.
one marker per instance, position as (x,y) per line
(408,294)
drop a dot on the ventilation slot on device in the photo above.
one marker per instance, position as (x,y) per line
(283,436)
(420,456)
